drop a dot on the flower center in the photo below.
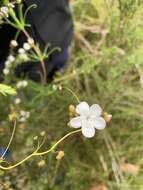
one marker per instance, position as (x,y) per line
(88,118)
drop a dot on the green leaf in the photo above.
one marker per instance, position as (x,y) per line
(7,90)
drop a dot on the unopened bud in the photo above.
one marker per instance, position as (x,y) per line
(72,109)
(42,133)
(107,117)
(41,163)
(60,155)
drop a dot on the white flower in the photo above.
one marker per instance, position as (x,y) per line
(13,43)
(31,41)
(55,87)
(17,101)
(5,71)
(22,84)
(27,115)
(8,64)
(11,5)
(26,46)
(19,84)
(21,51)
(11,58)
(89,119)
(23,57)
(24,115)
(4,10)
(22,119)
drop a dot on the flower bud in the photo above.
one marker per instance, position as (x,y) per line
(60,155)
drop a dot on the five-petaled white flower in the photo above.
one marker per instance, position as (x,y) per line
(89,119)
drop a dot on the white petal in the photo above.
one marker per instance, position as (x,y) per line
(75,122)
(88,132)
(95,110)
(82,108)
(88,129)
(99,123)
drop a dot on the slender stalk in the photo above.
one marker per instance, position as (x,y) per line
(37,50)
(68,89)
(57,143)
(35,153)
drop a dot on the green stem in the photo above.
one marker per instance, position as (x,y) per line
(68,89)
(57,143)
(35,153)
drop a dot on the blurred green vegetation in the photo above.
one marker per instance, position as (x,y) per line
(106,67)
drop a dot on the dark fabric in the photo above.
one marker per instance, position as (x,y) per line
(6,34)
(52,21)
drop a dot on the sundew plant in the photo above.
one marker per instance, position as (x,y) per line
(51,133)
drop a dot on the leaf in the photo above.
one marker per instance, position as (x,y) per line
(7,90)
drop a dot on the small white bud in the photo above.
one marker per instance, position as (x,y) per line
(5,71)
(18,85)
(7,64)
(17,101)
(24,83)
(10,5)
(4,10)
(11,58)
(26,46)
(13,43)
(30,41)
(55,87)
(21,51)
(23,56)
(23,113)
(22,119)
(27,115)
